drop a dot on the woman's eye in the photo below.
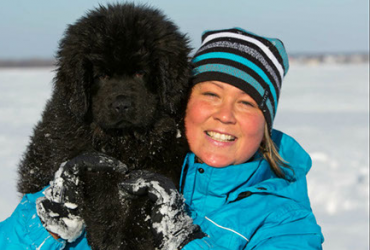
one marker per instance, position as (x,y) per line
(247,103)
(210,94)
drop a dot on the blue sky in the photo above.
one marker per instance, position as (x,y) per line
(30,29)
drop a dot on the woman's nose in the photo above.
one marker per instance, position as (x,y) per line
(225,113)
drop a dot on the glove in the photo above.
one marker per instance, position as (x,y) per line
(58,210)
(172,227)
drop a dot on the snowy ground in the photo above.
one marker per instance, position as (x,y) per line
(324,107)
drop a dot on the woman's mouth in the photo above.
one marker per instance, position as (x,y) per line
(220,137)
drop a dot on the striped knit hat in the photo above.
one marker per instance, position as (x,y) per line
(252,63)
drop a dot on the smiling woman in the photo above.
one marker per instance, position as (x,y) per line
(238,164)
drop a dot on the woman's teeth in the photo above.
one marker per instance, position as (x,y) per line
(220,137)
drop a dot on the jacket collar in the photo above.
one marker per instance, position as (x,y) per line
(256,176)
(225,181)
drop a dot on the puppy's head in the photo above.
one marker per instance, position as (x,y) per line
(114,56)
(123,102)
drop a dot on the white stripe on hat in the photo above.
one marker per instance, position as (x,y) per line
(252,40)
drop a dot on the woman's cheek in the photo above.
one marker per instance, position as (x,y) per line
(195,118)
(196,112)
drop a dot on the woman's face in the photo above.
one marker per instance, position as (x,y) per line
(224,125)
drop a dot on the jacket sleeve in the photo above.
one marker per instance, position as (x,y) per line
(204,243)
(302,233)
(291,242)
(24,230)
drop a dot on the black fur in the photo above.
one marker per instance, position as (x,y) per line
(121,83)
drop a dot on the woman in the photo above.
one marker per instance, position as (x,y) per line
(244,192)
(241,191)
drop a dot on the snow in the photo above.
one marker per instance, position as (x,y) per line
(324,107)
(68,227)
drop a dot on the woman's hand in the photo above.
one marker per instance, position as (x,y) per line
(171,226)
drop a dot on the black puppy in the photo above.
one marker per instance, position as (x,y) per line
(121,83)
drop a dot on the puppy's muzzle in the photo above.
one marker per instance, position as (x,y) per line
(122,105)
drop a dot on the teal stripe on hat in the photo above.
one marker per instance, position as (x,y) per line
(229,70)
(269,107)
(244,61)
(281,49)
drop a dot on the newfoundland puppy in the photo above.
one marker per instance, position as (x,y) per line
(120,89)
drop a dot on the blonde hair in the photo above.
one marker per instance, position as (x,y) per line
(270,153)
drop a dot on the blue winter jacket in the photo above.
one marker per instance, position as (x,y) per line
(239,207)
(247,207)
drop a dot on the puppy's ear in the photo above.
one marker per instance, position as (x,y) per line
(74,79)
(79,101)
(174,77)
(163,89)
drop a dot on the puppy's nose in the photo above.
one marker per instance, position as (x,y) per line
(122,104)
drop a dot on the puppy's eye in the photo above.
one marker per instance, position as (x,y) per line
(140,73)
(102,77)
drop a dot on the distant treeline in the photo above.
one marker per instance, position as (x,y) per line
(27,63)
(339,58)
(299,58)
